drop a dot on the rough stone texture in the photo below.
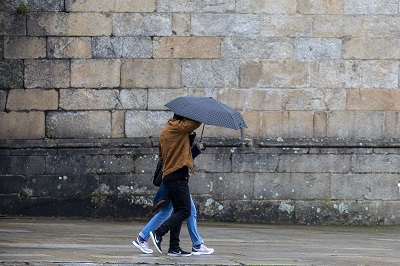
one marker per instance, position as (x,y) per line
(24,47)
(23,100)
(286,26)
(377,48)
(12,74)
(69,47)
(122,47)
(338,26)
(181,24)
(3,99)
(137,123)
(373,99)
(47,73)
(146,24)
(97,73)
(370,6)
(309,49)
(268,6)
(16,125)
(287,124)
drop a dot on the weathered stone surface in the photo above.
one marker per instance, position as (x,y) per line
(12,74)
(47,73)
(12,24)
(355,74)
(213,162)
(157,98)
(272,73)
(338,26)
(266,6)
(392,124)
(287,124)
(145,73)
(377,163)
(196,6)
(32,100)
(90,5)
(261,163)
(286,26)
(315,48)
(22,165)
(378,26)
(10,184)
(358,124)
(135,5)
(330,163)
(181,24)
(225,24)
(233,186)
(69,24)
(16,125)
(269,48)
(3,99)
(92,124)
(373,99)
(377,48)
(69,47)
(320,124)
(118,124)
(260,99)
(312,6)
(146,24)
(52,5)
(186,47)
(142,123)
(370,6)
(210,73)
(97,73)
(24,47)
(122,47)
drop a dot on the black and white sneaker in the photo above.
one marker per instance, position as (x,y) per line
(156,240)
(178,253)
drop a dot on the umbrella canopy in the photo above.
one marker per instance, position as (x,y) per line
(208,111)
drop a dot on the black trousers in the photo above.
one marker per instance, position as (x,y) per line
(180,197)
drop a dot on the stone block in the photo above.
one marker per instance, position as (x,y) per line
(267,6)
(286,26)
(10,184)
(181,24)
(377,163)
(382,26)
(84,124)
(253,122)
(14,125)
(97,73)
(3,99)
(12,74)
(356,124)
(257,48)
(158,97)
(88,99)
(314,163)
(12,24)
(320,124)
(143,24)
(124,185)
(210,73)
(22,165)
(370,7)
(1,47)
(373,99)
(45,73)
(196,6)
(312,7)
(355,74)
(147,73)
(338,26)
(145,123)
(53,5)
(254,99)
(95,6)
(313,99)
(317,48)
(30,99)
(225,24)
(365,186)
(233,186)
(213,162)
(258,163)
(69,47)
(186,47)
(200,183)
(392,125)
(117,124)
(122,47)
(24,47)
(386,212)
(287,124)
(135,5)
(69,24)
(376,48)
(281,186)
(271,73)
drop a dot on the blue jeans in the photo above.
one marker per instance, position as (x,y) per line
(164,213)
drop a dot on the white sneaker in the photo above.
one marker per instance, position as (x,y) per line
(142,246)
(203,250)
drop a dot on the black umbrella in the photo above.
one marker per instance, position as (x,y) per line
(208,111)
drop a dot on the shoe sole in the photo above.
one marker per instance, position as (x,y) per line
(141,249)
(179,255)
(202,253)
(154,242)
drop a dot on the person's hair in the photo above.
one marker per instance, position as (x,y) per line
(178,117)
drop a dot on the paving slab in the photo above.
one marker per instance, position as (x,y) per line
(70,242)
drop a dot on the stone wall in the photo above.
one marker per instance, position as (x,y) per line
(83,83)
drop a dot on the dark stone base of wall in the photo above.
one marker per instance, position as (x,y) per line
(261,181)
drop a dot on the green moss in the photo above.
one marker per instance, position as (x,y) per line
(23,8)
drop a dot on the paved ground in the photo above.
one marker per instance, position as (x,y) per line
(38,241)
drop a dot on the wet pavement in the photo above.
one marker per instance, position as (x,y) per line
(51,241)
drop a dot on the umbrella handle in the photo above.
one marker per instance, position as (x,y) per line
(201,137)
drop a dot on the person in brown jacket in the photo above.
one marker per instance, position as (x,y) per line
(176,156)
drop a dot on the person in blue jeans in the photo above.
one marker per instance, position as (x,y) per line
(162,198)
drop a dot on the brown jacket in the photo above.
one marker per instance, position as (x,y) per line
(174,147)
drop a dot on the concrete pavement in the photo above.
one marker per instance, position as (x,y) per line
(51,241)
